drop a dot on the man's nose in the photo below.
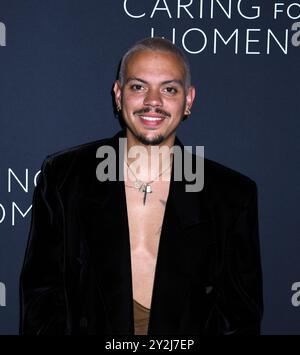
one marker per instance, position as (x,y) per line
(153,98)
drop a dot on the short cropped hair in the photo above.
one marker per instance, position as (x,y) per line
(155,44)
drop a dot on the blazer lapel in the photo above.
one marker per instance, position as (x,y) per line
(186,236)
(105,228)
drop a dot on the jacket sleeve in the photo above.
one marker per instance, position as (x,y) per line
(239,306)
(43,306)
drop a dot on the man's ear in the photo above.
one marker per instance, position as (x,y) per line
(190,99)
(118,91)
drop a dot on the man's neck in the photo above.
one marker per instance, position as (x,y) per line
(149,162)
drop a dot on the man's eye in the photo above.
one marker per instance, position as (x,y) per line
(170,90)
(137,87)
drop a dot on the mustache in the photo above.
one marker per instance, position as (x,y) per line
(147,110)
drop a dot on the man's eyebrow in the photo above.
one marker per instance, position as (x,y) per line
(134,78)
(176,81)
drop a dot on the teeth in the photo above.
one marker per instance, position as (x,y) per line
(151,118)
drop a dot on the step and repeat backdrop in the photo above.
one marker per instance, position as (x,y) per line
(58,61)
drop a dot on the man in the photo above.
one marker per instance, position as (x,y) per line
(144,255)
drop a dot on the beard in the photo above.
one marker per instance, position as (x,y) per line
(150,141)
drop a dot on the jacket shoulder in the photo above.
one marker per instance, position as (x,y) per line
(223,181)
(63,162)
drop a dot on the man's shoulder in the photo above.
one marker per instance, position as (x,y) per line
(80,150)
(225,182)
(220,180)
(76,158)
(222,173)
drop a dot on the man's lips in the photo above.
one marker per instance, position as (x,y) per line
(147,112)
(151,120)
(152,117)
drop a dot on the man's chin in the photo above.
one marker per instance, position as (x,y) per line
(156,140)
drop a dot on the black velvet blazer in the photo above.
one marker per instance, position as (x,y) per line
(76,277)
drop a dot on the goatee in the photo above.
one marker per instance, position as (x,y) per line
(150,141)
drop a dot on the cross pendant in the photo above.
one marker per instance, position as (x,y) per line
(147,189)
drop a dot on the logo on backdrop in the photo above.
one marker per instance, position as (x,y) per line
(12,210)
(2,35)
(196,40)
(296,295)
(2,295)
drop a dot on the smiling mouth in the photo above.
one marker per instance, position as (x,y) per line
(151,121)
(152,118)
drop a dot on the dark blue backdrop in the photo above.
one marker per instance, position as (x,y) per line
(56,75)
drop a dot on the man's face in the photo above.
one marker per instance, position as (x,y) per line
(153,98)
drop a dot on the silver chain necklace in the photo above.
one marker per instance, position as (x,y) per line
(144,187)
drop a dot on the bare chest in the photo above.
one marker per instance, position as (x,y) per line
(145,223)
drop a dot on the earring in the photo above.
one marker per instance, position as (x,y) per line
(118,108)
(187,111)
